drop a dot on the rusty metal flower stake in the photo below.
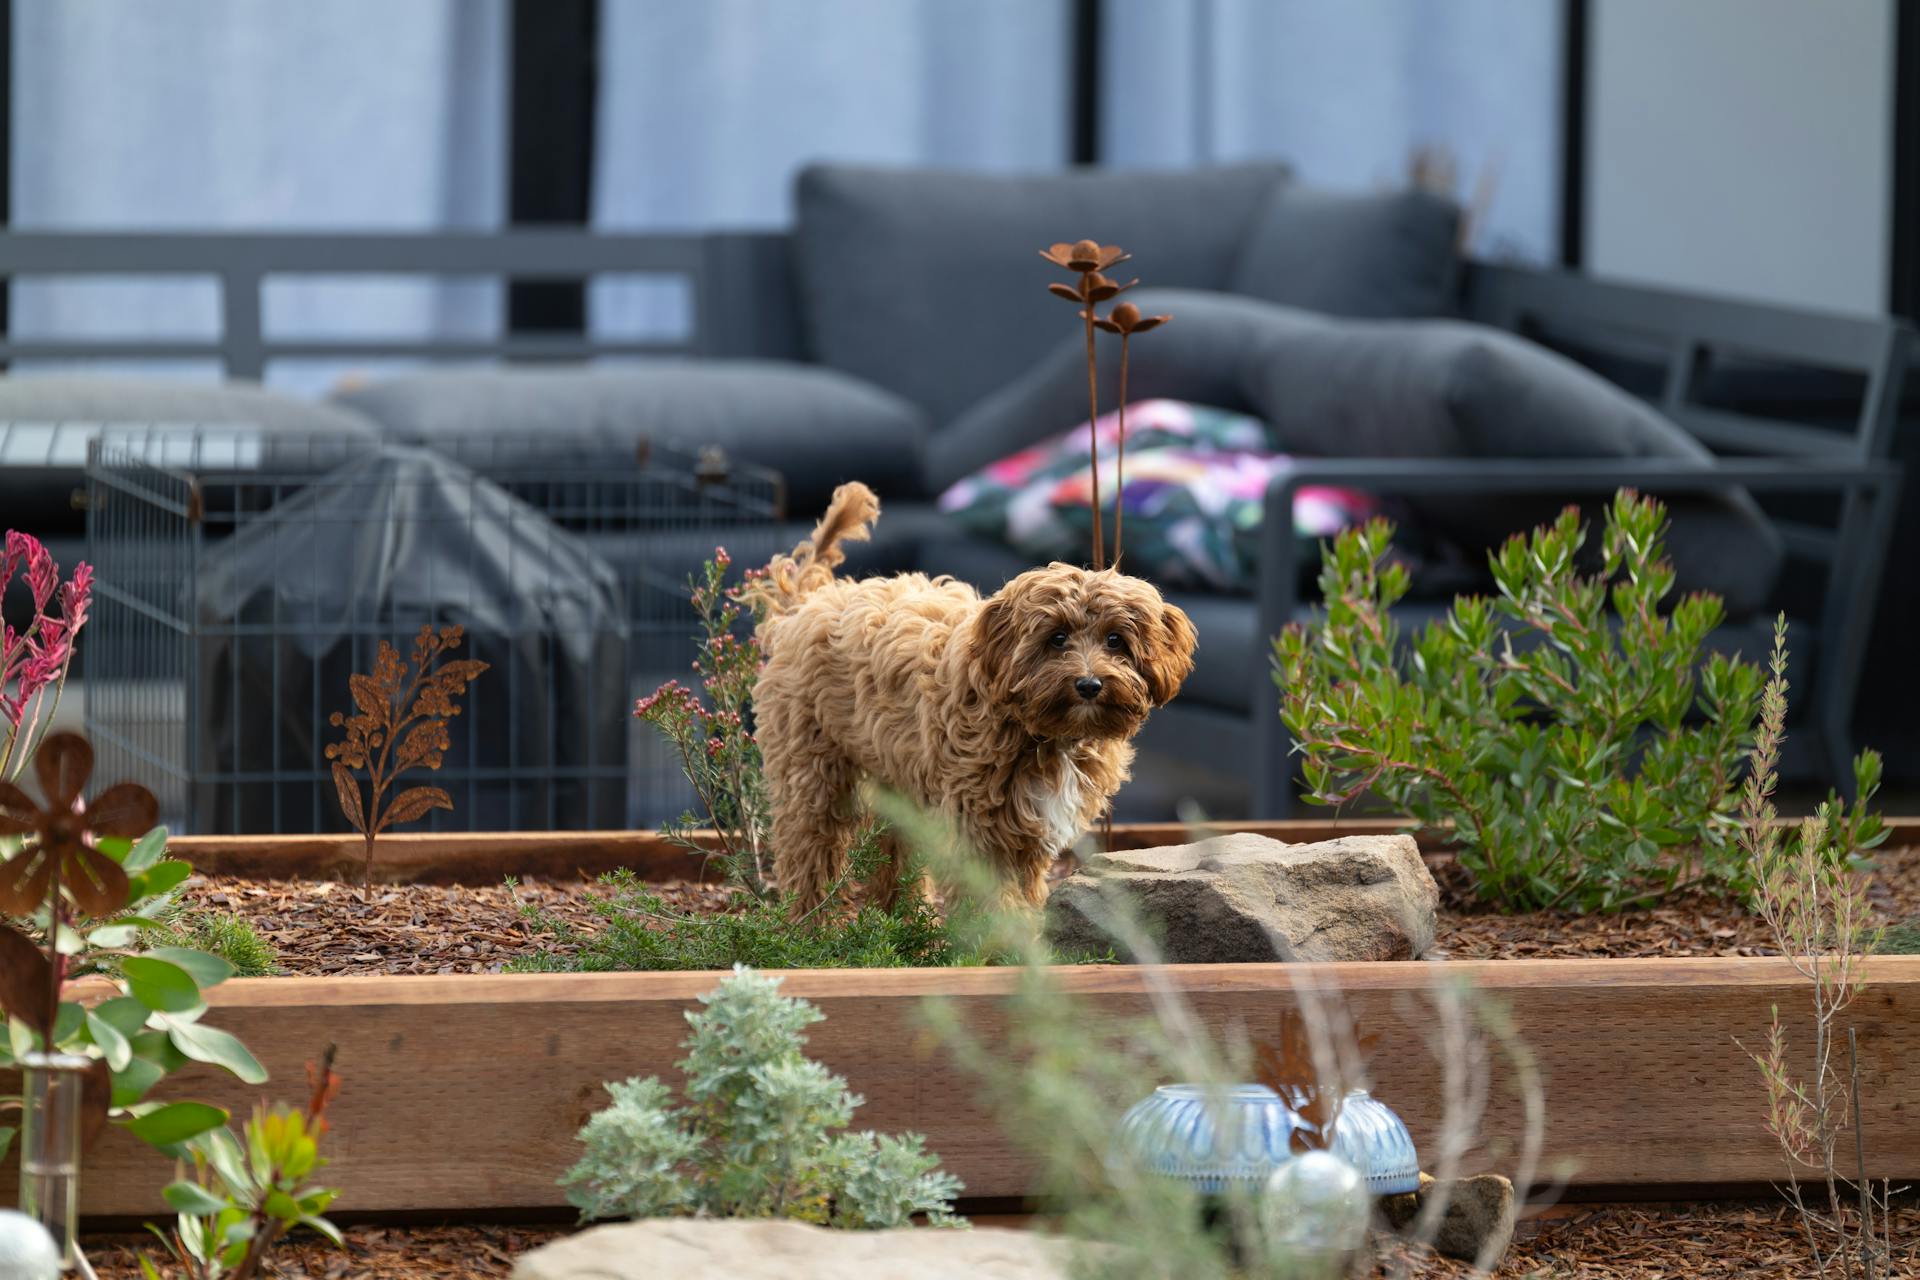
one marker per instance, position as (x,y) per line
(58,869)
(1126,321)
(1089,259)
(400,724)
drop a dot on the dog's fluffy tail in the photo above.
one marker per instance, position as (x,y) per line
(791,578)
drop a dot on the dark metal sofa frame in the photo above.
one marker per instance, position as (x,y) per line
(743,305)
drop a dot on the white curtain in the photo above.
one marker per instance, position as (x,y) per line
(213,114)
(1345,90)
(708,107)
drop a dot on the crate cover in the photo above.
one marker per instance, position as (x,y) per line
(301,595)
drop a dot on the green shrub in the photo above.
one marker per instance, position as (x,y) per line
(638,929)
(760,1134)
(229,936)
(1584,753)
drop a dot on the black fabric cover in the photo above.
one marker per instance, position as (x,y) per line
(400,538)
(929,284)
(1387,255)
(1386,389)
(818,428)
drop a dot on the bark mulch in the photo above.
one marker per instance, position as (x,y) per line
(329,928)
(1688,924)
(1610,1242)
(326,928)
(372,1253)
(1663,1242)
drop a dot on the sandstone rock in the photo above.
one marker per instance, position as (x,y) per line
(1479,1210)
(1245,897)
(732,1249)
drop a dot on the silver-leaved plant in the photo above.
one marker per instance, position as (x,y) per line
(762,1132)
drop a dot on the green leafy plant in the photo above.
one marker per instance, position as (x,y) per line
(224,934)
(399,723)
(1811,890)
(1583,752)
(714,738)
(761,1132)
(247,1193)
(84,879)
(637,929)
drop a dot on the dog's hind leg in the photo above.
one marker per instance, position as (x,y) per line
(815,813)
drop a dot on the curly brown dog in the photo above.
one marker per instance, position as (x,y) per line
(1010,716)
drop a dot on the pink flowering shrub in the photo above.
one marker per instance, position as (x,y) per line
(34,662)
(709,728)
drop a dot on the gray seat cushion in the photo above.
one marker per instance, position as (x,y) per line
(1393,389)
(46,421)
(816,427)
(1386,255)
(930,283)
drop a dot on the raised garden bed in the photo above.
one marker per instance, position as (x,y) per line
(463,1091)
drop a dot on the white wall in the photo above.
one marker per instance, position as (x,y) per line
(1742,147)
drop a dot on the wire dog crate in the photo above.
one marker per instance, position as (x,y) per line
(243,575)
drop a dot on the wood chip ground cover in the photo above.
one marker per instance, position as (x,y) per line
(329,928)
(1611,1242)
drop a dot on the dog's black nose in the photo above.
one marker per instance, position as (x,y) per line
(1087,687)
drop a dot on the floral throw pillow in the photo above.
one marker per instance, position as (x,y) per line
(1196,479)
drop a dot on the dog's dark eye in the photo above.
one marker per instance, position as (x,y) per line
(1057,640)
(1114,642)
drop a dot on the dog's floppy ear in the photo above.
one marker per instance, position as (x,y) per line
(996,643)
(1168,657)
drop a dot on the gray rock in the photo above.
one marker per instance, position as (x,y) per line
(1479,1213)
(1245,897)
(733,1249)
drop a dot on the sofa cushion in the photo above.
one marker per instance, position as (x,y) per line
(1194,500)
(1390,255)
(816,427)
(1382,389)
(930,283)
(46,421)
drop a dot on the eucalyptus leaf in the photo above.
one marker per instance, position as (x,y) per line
(6,1139)
(212,1045)
(111,1040)
(126,1014)
(67,1023)
(156,1046)
(169,1125)
(112,936)
(130,1083)
(160,984)
(205,969)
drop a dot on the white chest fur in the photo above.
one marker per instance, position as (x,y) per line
(1055,796)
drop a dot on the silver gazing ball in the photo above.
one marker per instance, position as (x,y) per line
(27,1252)
(1316,1209)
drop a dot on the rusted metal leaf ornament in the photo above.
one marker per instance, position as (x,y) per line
(399,723)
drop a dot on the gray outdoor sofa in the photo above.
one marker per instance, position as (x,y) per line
(901,335)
